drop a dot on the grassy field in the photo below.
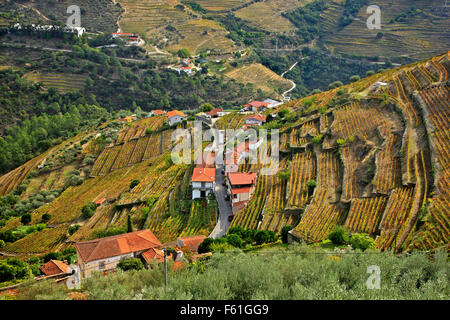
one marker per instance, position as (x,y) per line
(420,36)
(62,82)
(267,14)
(260,76)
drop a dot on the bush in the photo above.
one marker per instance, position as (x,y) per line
(234,240)
(238,230)
(134,183)
(73,229)
(46,217)
(25,219)
(355,78)
(262,236)
(88,210)
(317,139)
(2,244)
(339,236)
(205,246)
(362,241)
(130,264)
(51,256)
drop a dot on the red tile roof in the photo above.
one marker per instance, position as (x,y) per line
(214,112)
(158,112)
(204,175)
(258,104)
(54,267)
(174,113)
(191,242)
(154,253)
(240,178)
(240,190)
(261,118)
(100,201)
(116,245)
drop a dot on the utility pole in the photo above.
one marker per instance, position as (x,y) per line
(165,270)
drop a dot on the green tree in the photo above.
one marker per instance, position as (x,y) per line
(25,219)
(46,217)
(284,233)
(362,241)
(129,224)
(234,240)
(88,210)
(205,245)
(130,264)
(206,107)
(339,236)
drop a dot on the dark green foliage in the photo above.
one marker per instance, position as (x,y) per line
(130,264)
(134,183)
(46,217)
(234,240)
(205,245)
(88,210)
(25,219)
(73,229)
(339,236)
(351,9)
(362,241)
(51,256)
(238,230)
(12,268)
(129,224)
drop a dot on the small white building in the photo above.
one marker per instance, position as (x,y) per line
(203,182)
(255,119)
(176,117)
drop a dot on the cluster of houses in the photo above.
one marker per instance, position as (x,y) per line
(187,66)
(130,39)
(104,255)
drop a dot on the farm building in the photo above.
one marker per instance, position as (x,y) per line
(105,253)
(255,119)
(241,186)
(191,242)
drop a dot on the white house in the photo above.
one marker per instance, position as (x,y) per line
(203,182)
(272,103)
(176,117)
(255,119)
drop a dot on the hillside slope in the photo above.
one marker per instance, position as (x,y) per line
(378,157)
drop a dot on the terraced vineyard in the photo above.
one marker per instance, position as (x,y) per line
(261,77)
(131,152)
(220,5)
(421,36)
(365,215)
(322,214)
(233,120)
(302,170)
(60,81)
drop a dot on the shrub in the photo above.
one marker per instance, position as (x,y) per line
(51,256)
(73,229)
(339,236)
(238,230)
(355,78)
(88,210)
(130,264)
(134,183)
(26,218)
(234,240)
(46,217)
(205,245)
(262,236)
(2,244)
(317,139)
(362,241)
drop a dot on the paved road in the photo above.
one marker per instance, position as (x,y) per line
(224,206)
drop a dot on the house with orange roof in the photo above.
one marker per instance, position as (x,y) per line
(105,253)
(54,268)
(192,242)
(241,186)
(175,117)
(214,113)
(255,119)
(203,182)
(257,106)
(155,113)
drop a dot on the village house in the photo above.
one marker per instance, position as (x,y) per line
(129,38)
(214,113)
(241,187)
(176,117)
(155,113)
(55,268)
(272,103)
(257,106)
(203,182)
(255,119)
(105,253)
(191,242)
